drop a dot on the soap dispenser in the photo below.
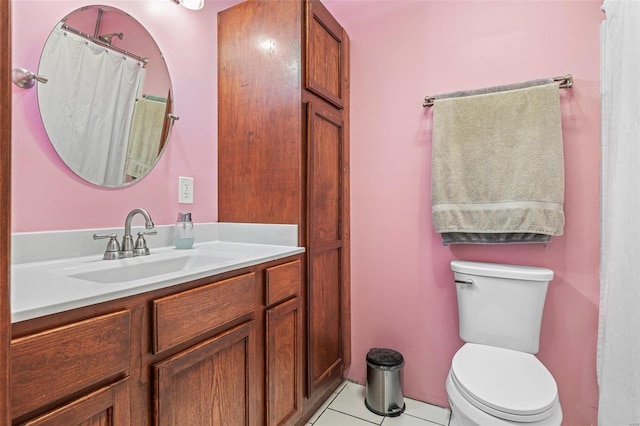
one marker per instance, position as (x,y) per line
(184,235)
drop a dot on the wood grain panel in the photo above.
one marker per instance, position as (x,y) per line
(208,384)
(324,315)
(48,366)
(183,316)
(108,406)
(5,206)
(259,98)
(346,207)
(326,200)
(324,68)
(325,146)
(284,363)
(282,282)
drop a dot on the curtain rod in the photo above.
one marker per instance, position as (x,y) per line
(566,82)
(99,42)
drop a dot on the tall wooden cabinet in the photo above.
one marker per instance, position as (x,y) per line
(283,156)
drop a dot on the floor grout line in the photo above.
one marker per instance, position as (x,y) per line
(421,418)
(344,386)
(351,415)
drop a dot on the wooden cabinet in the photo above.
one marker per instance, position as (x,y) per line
(222,350)
(284,363)
(282,282)
(212,383)
(188,314)
(283,345)
(283,156)
(108,406)
(326,69)
(60,363)
(326,245)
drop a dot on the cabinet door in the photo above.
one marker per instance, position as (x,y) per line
(326,241)
(211,383)
(108,406)
(259,112)
(325,53)
(284,363)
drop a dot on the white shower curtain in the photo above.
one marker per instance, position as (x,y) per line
(619,328)
(87,106)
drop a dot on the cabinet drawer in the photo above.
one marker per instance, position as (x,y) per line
(282,282)
(50,365)
(106,406)
(183,316)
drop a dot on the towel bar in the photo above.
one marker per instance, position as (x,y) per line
(566,82)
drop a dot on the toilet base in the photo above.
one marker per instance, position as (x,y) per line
(463,413)
(453,420)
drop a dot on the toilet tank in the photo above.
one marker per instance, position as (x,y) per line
(501,305)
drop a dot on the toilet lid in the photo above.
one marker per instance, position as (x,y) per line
(512,385)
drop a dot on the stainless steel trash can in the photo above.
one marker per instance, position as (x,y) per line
(384,387)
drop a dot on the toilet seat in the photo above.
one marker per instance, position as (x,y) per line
(507,384)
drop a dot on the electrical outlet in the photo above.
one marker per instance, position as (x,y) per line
(185,190)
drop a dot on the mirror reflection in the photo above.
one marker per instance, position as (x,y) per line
(107,107)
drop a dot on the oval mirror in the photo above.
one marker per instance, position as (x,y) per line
(107,107)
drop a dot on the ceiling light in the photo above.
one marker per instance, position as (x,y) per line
(192,4)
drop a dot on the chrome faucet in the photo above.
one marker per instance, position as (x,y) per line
(113,248)
(126,248)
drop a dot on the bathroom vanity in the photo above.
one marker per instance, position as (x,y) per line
(229,339)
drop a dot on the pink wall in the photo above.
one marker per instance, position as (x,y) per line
(402,291)
(46,195)
(403,296)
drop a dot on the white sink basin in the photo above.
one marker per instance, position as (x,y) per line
(137,268)
(47,287)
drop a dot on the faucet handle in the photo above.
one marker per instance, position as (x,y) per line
(113,247)
(140,248)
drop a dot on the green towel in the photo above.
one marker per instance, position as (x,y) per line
(498,166)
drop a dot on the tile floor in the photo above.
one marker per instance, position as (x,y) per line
(345,407)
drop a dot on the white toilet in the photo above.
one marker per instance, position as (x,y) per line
(495,379)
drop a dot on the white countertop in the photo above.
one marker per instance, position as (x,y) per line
(46,287)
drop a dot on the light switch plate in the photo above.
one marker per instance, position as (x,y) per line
(185,190)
